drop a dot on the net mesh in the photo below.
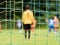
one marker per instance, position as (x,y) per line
(11,10)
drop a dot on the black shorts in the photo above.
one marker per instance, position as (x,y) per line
(27,26)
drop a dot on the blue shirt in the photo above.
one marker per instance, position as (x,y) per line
(51,22)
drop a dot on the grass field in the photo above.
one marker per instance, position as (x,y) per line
(39,37)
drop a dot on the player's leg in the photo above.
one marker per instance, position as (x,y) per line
(25,34)
(49,29)
(29,34)
(55,30)
(25,31)
(19,29)
(32,29)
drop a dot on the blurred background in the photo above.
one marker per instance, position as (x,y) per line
(11,10)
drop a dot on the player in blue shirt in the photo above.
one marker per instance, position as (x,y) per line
(50,23)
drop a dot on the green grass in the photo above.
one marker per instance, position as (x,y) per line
(39,37)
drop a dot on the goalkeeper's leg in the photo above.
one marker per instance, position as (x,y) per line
(25,34)
(29,34)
